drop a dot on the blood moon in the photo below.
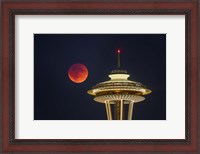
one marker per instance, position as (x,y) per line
(78,73)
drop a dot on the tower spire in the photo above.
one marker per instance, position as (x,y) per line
(118,64)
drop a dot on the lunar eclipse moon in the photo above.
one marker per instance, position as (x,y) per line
(78,73)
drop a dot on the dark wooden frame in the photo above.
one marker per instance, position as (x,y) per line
(12,8)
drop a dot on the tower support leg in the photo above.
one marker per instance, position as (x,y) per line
(121,109)
(108,110)
(130,110)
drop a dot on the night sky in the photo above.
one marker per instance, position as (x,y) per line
(56,97)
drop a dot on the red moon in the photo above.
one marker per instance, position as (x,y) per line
(78,73)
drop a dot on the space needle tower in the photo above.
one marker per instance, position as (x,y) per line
(119,94)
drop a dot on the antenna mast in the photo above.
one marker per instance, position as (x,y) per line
(118,64)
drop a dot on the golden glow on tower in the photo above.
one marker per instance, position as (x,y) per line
(119,91)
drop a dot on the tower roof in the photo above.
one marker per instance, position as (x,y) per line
(119,71)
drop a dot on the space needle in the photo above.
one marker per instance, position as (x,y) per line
(119,94)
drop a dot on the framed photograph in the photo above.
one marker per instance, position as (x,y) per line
(100,77)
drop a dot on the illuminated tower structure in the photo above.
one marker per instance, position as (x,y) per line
(119,94)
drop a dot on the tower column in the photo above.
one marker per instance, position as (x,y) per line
(121,109)
(108,110)
(130,110)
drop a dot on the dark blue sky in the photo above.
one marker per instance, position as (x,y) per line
(56,97)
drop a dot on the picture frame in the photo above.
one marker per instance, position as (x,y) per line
(11,8)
